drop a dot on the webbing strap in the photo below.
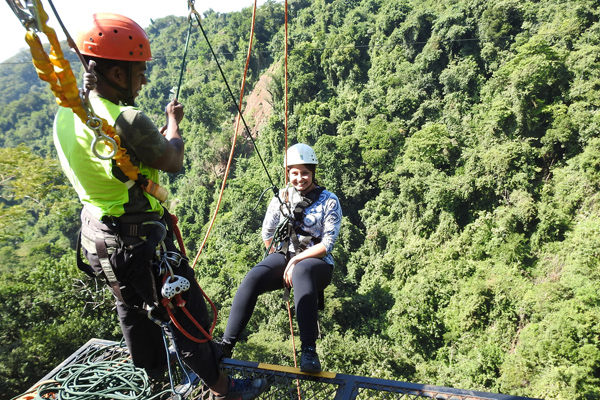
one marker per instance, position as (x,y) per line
(102,253)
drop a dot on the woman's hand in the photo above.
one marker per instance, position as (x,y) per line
(287,274)
(316,251)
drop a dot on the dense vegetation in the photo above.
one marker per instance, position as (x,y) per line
(462,138)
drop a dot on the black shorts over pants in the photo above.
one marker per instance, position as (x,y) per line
(132,260)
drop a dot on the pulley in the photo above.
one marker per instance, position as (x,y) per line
(174,285)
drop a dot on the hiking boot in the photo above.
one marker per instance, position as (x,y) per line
(310,360)
(225,347)
(243,389)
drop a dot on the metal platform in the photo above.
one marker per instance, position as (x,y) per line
(290,383)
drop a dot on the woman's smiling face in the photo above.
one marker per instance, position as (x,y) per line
(301,178)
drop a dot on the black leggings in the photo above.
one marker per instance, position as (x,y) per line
(310,276)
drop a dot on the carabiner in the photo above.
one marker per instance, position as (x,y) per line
(193,12)
(157,321)
(30,20)
(108,141)
(174,258)
(161,225)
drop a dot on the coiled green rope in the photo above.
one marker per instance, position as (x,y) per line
(116,379)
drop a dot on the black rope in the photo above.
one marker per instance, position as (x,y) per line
(237,107)
(187,42)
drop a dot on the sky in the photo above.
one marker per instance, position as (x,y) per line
(76,13)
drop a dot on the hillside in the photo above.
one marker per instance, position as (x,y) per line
(462,138)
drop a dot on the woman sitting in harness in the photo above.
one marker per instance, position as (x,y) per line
(300,259)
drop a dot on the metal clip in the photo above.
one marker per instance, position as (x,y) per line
(159,224)
(29,19)
(174,258)
(108,141)
(153,319)
(194,13)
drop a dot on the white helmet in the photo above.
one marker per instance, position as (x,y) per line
(300,154)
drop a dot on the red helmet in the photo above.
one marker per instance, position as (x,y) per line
(115,37)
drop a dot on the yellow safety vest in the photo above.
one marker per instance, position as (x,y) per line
(99,190)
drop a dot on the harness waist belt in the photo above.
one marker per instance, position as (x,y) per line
(136,225)
(130,228)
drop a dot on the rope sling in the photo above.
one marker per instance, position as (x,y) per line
(54,69)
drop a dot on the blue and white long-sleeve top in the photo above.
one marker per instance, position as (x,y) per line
(322,219)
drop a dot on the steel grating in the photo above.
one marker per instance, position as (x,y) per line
(289,383)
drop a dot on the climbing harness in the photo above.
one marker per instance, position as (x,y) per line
(290,229)
(148,233)
(56,70)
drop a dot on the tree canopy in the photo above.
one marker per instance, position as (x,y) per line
(462,138)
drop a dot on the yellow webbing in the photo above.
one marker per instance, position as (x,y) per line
(55,70)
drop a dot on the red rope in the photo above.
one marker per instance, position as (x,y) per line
(167,303)
(179,302)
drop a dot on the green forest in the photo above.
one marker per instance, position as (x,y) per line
(462,138)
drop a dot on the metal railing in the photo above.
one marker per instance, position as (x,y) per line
(290,383)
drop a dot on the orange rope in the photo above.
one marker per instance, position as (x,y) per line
(285,171)
(285,144)
(233,140)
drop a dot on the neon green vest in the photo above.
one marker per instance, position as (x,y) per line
(99,190)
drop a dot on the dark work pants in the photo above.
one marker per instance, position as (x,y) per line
(310,276)
(139,281)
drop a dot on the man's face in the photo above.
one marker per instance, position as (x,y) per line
(138,77)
